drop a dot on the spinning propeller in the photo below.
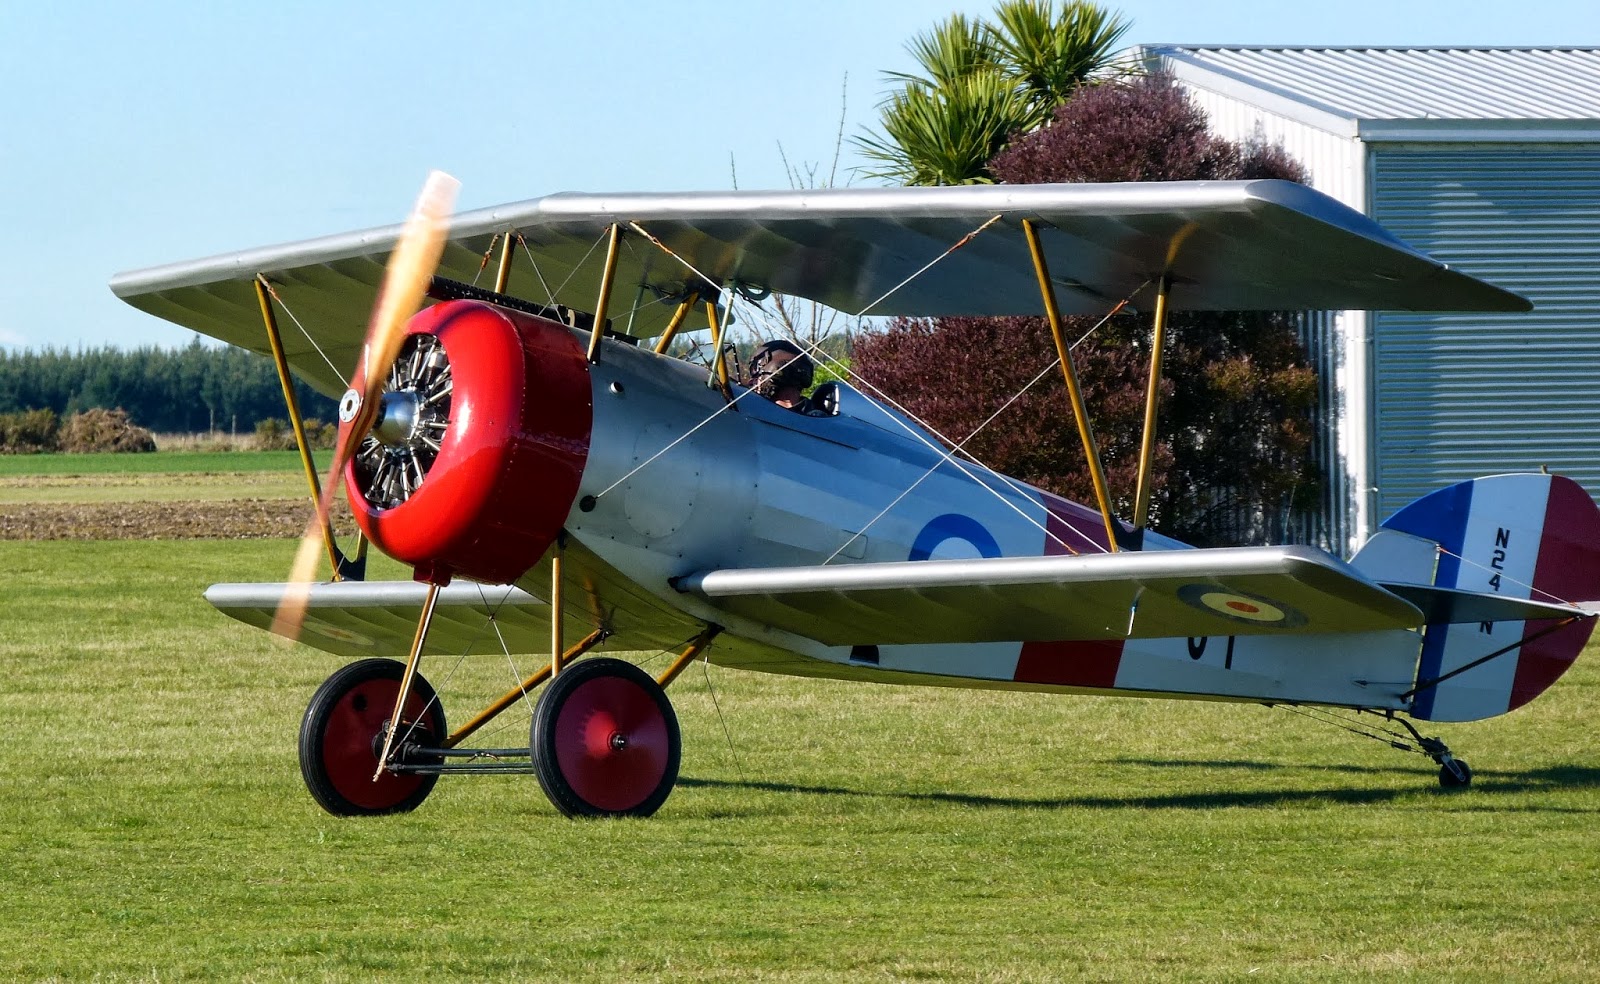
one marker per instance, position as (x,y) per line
(411,265)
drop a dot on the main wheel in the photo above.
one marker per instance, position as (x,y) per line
(605,740)
(342,735)
(1450,779)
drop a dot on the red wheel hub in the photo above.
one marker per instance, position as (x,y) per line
(612,744)
(347,745)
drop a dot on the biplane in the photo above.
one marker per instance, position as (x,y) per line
(514,430)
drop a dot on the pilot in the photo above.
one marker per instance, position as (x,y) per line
(781,372)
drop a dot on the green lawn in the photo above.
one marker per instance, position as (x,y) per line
(153,826)
(172,462)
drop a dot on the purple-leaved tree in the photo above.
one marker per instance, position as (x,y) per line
(1232,458)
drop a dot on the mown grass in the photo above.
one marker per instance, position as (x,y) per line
(154,826)
(155,462)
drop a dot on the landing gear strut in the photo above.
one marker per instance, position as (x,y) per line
(1454,773)
(343,733)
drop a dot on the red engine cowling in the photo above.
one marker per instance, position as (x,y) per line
(474,462)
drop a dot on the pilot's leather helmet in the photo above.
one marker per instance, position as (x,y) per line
(778,364)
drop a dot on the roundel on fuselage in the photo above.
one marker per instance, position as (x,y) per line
(953,526)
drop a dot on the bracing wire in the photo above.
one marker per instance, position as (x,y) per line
(845,372)
(1394,739)
(290,312)
(1521,584)
(540,273)
(969,237)
(947,455)
(705,669)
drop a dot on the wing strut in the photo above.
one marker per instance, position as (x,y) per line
(1079,412)
(613,249)
(502,275)
(342,566)
(1152,404)
(684,307)
(719,362)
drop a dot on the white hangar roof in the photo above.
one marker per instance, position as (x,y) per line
(1406,93)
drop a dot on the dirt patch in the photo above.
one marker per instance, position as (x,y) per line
(238,519)
(133,480)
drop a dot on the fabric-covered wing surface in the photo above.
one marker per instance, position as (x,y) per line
(1142,595)
(1260,245)
(379,618)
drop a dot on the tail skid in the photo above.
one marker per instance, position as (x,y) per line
(1528,536)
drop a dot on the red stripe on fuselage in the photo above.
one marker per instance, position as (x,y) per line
(1071,663)
(1568,570)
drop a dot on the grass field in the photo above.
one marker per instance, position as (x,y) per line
(158,462)
(153,826)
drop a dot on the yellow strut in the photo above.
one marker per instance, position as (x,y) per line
(613,249)
(678,317)
(1152,402)
(400,698)
(557,657)
(502,276)
(680,664)
(1080,413)
(515,694)
(293,405)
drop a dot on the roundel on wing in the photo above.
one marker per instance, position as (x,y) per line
(953,526)
(1240,607)
(338,634)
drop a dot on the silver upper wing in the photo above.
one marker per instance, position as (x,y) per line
(1245,245)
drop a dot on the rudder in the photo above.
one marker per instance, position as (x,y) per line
(1524,536)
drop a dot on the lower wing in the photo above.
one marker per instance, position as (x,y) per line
(1129,595)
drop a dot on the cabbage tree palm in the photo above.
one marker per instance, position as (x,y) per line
(982,83)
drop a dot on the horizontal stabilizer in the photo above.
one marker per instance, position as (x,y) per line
(1139,595)
(366,618)
(1442,606)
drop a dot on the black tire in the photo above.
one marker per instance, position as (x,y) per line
(605,740)
(1450,780)
(341,737)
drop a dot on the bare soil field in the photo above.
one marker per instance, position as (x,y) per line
(176,505)
(200,519)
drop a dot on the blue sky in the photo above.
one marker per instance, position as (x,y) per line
(138,134)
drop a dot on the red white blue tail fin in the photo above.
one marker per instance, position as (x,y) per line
(1520,536)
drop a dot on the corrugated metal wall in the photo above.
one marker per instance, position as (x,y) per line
(1335,161)
(1337,167)
(1457,396)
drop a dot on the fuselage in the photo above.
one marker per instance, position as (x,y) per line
(676,482)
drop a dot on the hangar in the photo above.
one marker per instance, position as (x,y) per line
(1488,158)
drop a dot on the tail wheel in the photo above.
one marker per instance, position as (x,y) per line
(605,741)
(1455,774)
(342,736)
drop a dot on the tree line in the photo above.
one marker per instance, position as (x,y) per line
(183,390)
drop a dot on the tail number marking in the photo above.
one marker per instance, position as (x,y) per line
(1497,563)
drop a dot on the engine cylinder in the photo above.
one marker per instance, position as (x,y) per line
(480,446)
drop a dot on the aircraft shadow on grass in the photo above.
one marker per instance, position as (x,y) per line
(1485,785)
